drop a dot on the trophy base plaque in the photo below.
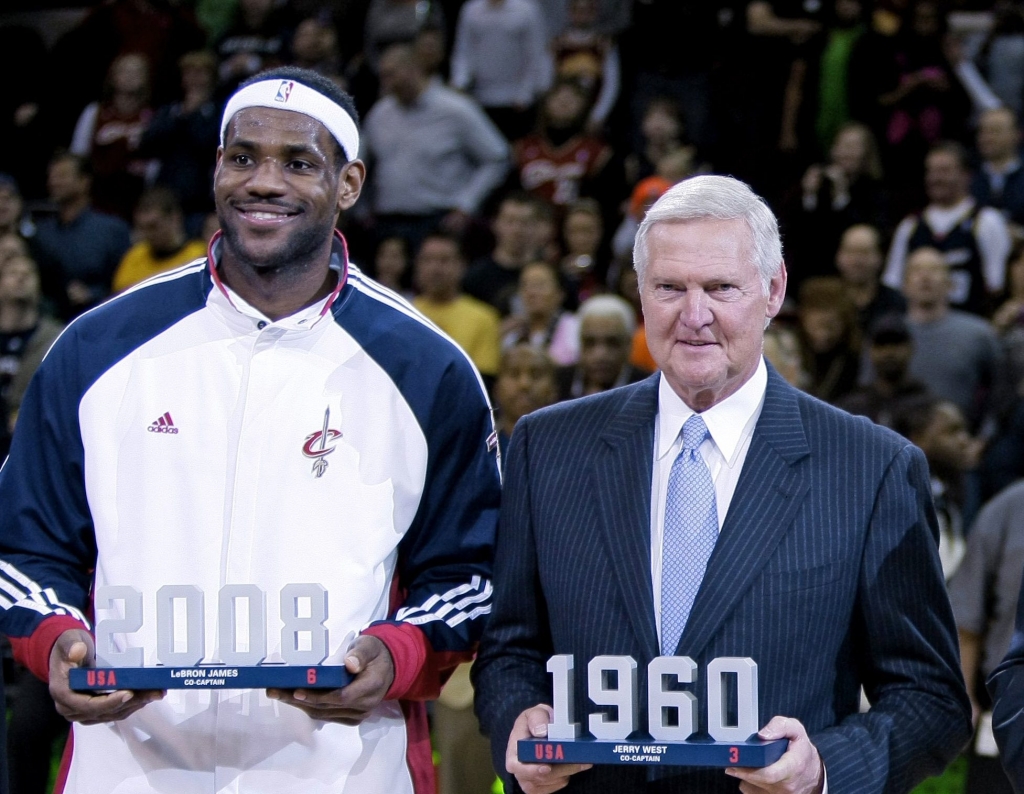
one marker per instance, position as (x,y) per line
(755,753)
(98,679)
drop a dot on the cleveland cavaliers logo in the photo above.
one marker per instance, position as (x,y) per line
(316,445)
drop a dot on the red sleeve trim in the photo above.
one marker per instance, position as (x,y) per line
(420,672)
(65,764)
(34,651)
(419,755)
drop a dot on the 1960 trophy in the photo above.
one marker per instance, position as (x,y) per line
(240,661)
(671,738)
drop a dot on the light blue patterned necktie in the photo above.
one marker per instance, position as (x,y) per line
(691,531)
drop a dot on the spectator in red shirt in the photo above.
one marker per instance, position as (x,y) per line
(561,161)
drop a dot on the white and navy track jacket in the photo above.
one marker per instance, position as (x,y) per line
(174,435)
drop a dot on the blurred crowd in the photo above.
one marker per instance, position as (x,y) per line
(513,146)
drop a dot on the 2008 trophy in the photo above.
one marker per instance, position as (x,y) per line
(671,738)
(240,660)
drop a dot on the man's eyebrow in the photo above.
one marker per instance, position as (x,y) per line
(290,150)
(299,148)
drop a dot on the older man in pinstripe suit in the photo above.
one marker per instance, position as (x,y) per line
(822,560)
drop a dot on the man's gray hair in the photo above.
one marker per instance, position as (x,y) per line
(609,306)
(717,198)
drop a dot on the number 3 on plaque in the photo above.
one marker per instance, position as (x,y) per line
(182,607)
(612,681)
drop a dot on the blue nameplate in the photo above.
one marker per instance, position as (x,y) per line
(757,753)
(93,679)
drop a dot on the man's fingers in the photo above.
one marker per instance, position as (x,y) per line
(91,709)
(78,654)
(363,694)
(364,650)
(85,705)
(322,711)
(531,724)
(537,720)
(536,778)
(369,661)
(365,691)
(542,778)
(329,705)
(544,789)
(356,660)
(798,771)
(765,776)
(127,708)
(356,697)
(319,698)
(565,770)
(74,648)
(782,728)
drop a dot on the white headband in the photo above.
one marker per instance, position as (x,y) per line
(290,95)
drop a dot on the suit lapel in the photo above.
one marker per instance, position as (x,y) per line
(770,489)
(621,477)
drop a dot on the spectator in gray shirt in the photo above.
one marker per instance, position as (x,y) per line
(434,154)
(500,57)
(956,355)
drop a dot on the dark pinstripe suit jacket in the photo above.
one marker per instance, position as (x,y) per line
(1006,685)
(826,573)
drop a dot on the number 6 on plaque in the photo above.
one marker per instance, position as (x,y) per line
(662,701)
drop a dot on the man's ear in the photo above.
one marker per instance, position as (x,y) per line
(353,174)
(777,291)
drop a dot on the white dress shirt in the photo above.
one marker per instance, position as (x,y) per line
(730,426)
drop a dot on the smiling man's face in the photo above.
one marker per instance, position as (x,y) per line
(278,187)
(705,308)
